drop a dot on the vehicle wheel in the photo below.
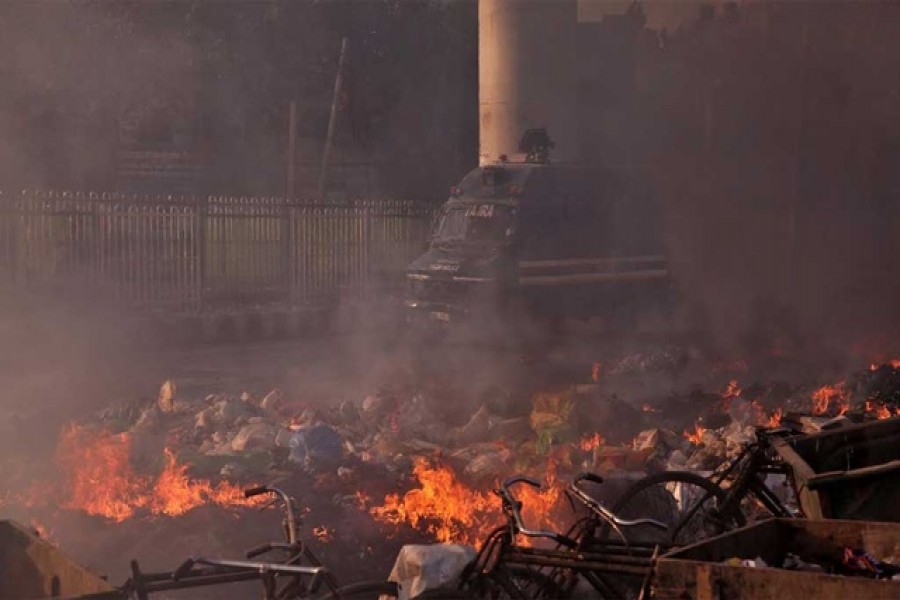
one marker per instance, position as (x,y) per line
(685,501)
(366,590)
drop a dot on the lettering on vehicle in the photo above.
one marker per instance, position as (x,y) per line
(451,267)
(485,211)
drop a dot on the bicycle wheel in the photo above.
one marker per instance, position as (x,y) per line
(530,583)
(506,583)
(366,590)
(684,501)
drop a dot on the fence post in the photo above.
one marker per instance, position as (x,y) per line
(201,210)
(367,246)
(287,248)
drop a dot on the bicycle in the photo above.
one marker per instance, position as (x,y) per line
(504,568)
(697,507)
(300,575)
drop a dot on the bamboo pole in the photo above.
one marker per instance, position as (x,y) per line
(329,138)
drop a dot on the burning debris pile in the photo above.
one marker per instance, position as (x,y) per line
(391,458)
(102,482)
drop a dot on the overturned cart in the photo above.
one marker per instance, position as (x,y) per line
(739,565)
(851,472)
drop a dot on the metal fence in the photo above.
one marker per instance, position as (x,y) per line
(187,252)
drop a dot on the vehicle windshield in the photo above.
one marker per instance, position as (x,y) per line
(480,223)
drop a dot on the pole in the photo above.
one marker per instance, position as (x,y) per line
(329,138)
(291,174)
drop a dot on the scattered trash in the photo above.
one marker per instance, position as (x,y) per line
(254,436)
(608,459)
(756,563)
(318,448)
(550,419)
(166,400)
(491,465)
(668,359)
(272,401)
(429,567)
(792,562)
(859,562)
(477,428)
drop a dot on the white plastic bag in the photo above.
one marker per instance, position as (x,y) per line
(429,567)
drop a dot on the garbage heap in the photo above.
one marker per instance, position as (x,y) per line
(362,451)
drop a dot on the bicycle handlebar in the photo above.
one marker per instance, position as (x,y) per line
(511,481)
(601,511)
(290,517)
(261,549)
(514,506)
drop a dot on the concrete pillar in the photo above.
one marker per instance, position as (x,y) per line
(527,76)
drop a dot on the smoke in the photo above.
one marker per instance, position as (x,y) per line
(773,167)
(771,157)
(79,75)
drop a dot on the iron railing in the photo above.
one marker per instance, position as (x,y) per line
(187,252)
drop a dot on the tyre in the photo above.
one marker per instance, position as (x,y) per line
(366,590)
(684,501)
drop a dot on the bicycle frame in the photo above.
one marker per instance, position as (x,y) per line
(752,461)
(577,554)
(142,585)
(303,579)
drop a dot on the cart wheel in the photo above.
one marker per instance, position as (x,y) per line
(685,501)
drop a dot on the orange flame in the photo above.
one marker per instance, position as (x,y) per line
(451,511)
(539,506)
(441,505)
(763,418)
(589,442)
(879,410)
(893,363)
(595,371)
(647,408)
(99,473)
(101,481)
(175,494)
(362,499)
(696,437)
(323,534)
(732,390)
(825,395)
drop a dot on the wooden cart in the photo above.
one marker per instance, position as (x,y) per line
(851,472)
(32,568)
(698,571)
